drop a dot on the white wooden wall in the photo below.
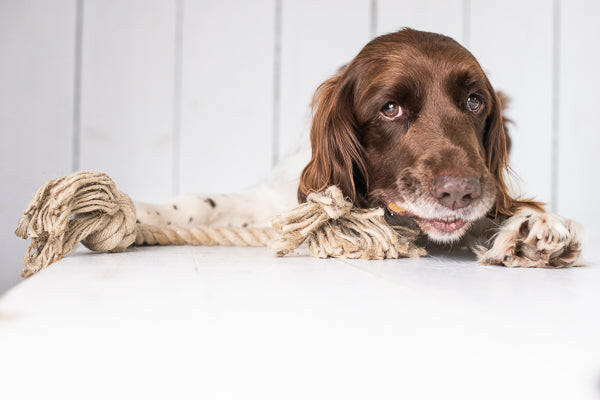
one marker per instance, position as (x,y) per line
(177,96)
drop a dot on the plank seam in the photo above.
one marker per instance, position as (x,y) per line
(277,43)
(76,142)
(178,60)
(373,18)
(554,161)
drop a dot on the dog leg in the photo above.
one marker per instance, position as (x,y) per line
(534,239)
(254,207)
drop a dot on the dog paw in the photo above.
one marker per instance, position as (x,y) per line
(537,240)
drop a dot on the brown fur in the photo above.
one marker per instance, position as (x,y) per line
(375,161)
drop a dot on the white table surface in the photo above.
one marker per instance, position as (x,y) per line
(238,323)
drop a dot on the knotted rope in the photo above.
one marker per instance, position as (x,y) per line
(88,207)
(333,228)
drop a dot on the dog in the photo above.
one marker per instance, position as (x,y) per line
(412,125)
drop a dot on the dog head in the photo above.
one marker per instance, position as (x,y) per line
(413,124)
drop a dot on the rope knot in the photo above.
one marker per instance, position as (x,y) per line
(333,228)
(331,201)
(85,206)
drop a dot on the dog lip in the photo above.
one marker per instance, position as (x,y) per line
(445,225)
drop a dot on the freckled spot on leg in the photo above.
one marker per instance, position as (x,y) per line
(211,202)
(157,213)
(244,225)
(174,206)
(524,228)
(519,249)
(137,221)
(168,222)
(190,220)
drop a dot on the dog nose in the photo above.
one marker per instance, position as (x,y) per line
(454,192)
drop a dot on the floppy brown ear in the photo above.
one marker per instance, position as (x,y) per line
(337,155)
(497,144)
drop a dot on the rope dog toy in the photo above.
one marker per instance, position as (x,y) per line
(87,207)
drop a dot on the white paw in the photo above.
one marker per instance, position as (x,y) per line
(538,240)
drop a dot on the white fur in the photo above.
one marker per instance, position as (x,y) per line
(545,238)
(257,205)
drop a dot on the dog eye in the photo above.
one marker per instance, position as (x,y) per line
(474,104)
(391,110)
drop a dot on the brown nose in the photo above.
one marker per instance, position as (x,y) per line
(454,192)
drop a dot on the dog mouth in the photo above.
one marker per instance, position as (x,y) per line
(441,225)
(445,225)
(440,229)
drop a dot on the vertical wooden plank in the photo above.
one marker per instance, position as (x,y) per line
(445,17)
(36,111)
(517,55)
(578,189)
(318,37)
(127,94)
(227,94)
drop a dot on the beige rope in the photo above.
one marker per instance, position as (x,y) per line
(86,206)
(203,236)
(333,228)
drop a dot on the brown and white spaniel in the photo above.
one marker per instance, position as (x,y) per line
(413,125)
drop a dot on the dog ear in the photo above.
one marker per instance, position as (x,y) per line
(497,144)
(337,155)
